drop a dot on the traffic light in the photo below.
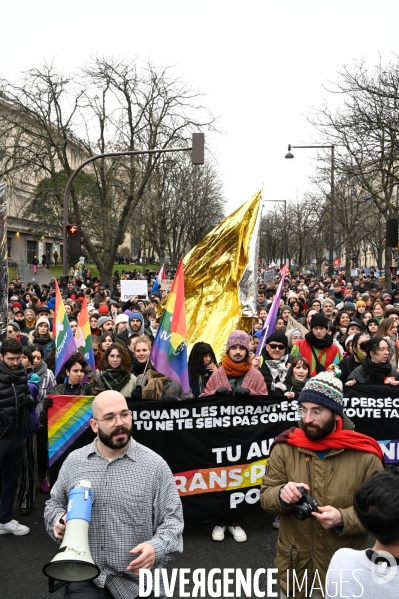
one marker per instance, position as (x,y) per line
(197,152)
(73,240)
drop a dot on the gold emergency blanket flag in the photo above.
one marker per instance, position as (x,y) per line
(220,275)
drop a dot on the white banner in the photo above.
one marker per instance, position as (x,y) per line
(131,288)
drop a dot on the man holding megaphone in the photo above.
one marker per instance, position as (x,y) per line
(136,519)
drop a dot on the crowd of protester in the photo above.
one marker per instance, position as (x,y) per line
(347,327)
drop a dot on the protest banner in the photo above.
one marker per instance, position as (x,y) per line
(294,324)
(166,284)
(269,275)
(131,288)
(218,447)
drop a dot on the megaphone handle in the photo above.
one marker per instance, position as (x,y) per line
(52,587)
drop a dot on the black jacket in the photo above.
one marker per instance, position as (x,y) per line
(14,399)
(347,365)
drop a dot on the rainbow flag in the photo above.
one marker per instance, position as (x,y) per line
(270,323)
(65,344)
(169,352)
(83,336)
(68,417)
(161,277)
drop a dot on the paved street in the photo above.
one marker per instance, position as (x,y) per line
(22,558)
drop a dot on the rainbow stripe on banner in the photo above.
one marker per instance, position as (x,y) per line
(68,418)
(169,352)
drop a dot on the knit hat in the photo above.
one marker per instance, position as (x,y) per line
(279,337)
(293,332)
(136,315)
(349,306)
(258,334)
(103,310)
(285,308)
(325,390)
(42,320)
(15,325)
(121,318)
(319,320)
(102,320)
(348,298)
(238,338)
(360,303)
(348,339)
(16,305)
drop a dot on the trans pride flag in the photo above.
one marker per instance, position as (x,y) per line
(65,344)
(161,277)
(169,352)
(270,323)
(68,417)
(83,336)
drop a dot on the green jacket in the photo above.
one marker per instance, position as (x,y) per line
(304,545)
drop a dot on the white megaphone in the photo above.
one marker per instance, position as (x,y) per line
(73,561)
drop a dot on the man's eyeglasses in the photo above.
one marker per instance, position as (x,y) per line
(276,346)
(112,419)
(314,414)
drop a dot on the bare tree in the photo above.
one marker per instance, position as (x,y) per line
(365,130)
(54,122)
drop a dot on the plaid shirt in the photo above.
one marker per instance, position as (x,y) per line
(135,501)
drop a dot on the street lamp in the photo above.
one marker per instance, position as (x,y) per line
(331,250)
(197,157)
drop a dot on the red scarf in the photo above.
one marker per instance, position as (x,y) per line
(235,369)
(339,439)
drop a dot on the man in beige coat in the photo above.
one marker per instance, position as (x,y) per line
(330,463)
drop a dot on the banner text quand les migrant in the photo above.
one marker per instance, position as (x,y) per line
(218,416)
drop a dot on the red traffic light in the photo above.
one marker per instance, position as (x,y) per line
(72,229)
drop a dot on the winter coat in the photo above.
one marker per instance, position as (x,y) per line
(304,545)
(361,376)
(253,380)
(347,365)
(14,398)
(326,356)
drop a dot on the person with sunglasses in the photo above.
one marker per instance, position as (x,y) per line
(275,361)
(348,364)
(318,347)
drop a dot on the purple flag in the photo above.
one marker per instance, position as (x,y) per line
(270,323)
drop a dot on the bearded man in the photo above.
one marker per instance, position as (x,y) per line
(137,517)
(328,462)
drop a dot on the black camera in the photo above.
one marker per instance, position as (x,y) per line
(305,506)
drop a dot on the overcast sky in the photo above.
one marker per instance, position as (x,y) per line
(261,64)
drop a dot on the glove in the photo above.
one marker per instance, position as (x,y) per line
(47,403)
(241,391)
(222,391)
(170,399)
(137,393)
